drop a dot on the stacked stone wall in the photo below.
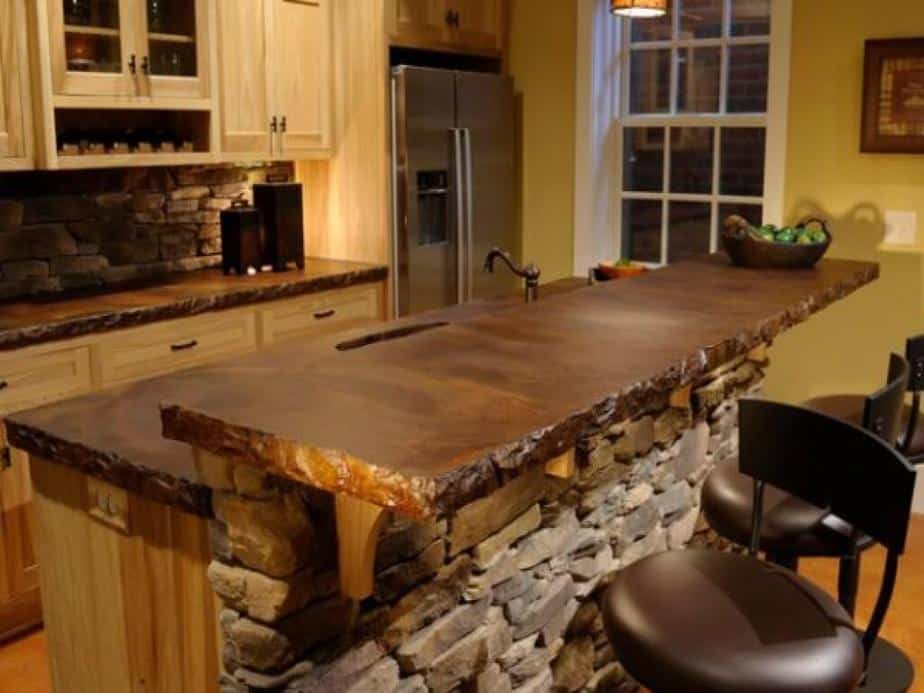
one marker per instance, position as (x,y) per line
(79,229)
(502,595)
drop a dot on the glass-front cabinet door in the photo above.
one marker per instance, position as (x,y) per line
(175,51)
(91,47)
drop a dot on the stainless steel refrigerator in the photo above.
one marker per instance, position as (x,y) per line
(454,184)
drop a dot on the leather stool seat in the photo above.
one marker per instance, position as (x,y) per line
(850,408)
(695,621)
(790,525)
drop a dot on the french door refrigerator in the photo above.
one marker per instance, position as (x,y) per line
(454,186)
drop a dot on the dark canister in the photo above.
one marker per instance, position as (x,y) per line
(242,238)
(280,206)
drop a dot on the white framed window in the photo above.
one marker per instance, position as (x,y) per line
(699,124)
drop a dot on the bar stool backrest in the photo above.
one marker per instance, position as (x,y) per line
(832,464)
(914,352)
(882,409)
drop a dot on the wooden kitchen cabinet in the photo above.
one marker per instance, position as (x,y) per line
(417,22)
(127,49)
(477,25)
(15,111)
(465,26)
(276,77)
(20,603)
(52,372)
(244,77)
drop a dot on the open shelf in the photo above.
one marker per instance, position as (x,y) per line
(172,38)
(90,30)
(131,137)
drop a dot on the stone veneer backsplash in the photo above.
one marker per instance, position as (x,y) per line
(72,230)
(502,595)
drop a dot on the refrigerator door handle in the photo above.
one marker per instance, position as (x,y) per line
(469,235)
(461,289)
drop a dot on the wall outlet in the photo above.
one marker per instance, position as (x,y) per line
(901,228)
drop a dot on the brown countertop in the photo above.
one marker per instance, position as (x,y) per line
(426,423)
(29,322)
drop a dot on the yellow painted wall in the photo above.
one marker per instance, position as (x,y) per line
(845,347)
(542,55)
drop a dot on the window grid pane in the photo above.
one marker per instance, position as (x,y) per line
(711,59)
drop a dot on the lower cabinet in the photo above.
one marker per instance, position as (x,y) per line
(150,560)
(42,374)
(20,605)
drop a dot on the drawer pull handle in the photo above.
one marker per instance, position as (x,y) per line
(4,384)
(324,314)
(183,346)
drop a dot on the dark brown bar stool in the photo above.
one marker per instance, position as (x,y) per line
(850,407)
(792,527)
(696,621)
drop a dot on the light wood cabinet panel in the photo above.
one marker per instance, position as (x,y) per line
(20,604)
(15,126)
(478,25)
(176,48)
(128,49)
(315,315)
(146,611)
(145,352)
(91,53)
(418,21)
(301,46)
(465,26)
(276,77)
(244,68)
(39,375)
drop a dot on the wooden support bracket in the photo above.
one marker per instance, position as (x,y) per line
(358,527)
(562,466)
(680,398)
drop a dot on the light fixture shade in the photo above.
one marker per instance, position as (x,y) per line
(639,8)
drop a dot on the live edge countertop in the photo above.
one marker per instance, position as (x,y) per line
(426,423)
(28,322)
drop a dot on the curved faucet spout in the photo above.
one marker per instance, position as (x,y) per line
(530,273)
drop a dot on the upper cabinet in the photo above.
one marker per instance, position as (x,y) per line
(467,26)
(15,118)
(129,48)
(275,60)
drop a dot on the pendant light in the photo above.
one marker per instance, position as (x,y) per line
(638,9)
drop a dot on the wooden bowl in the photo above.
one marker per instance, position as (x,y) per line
(619,271)
(747,251)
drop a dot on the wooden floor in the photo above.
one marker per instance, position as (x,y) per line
(24,665)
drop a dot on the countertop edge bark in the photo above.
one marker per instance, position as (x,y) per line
(112,468)
(337,471)
(19,337)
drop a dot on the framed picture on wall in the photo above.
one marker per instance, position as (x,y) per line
(893,96)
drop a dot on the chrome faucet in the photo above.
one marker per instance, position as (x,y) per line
(530,273)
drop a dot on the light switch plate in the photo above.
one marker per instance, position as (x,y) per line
(901,228)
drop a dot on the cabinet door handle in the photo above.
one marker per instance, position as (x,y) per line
(4,384)
(283,124)
(183,346)
(133,64)
(324,314)
(146,65)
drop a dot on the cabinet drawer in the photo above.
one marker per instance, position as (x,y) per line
(161,348)
(30,379)
(320,313)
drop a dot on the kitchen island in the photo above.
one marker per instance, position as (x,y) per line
(433,504)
